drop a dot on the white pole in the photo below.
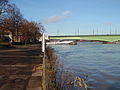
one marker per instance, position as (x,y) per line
(43,43)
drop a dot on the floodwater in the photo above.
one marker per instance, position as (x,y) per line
(100,62)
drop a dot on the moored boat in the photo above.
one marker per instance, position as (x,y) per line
(61,42)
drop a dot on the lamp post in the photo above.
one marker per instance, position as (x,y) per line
(110,28)
(93,32)
(116,31)
(78,31)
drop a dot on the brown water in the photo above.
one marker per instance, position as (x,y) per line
(100,62)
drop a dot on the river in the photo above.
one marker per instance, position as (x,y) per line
(100,62)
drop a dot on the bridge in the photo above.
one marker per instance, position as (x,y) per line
(104,38)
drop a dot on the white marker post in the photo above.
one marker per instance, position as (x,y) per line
(43,43)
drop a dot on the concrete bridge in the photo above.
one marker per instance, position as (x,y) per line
(104,38)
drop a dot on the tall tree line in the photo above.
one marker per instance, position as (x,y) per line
(11,20)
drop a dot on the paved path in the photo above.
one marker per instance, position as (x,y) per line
(21,68)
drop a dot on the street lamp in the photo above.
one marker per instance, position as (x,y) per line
(110,28)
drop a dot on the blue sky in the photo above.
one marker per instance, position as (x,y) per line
(73,17)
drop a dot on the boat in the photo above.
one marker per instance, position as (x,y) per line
(61,42)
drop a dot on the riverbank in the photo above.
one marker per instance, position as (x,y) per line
(51,68)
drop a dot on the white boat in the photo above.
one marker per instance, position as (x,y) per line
(61,42)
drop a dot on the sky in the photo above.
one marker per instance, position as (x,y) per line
(73,17)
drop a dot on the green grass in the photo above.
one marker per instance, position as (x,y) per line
(110,38)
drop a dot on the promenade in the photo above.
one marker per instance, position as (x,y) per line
(21,68)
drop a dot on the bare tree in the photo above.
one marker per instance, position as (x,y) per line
(3,6)
(31,31)
(13,21)
(15,18)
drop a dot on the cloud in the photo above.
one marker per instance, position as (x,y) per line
(55,19)
(66,13)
